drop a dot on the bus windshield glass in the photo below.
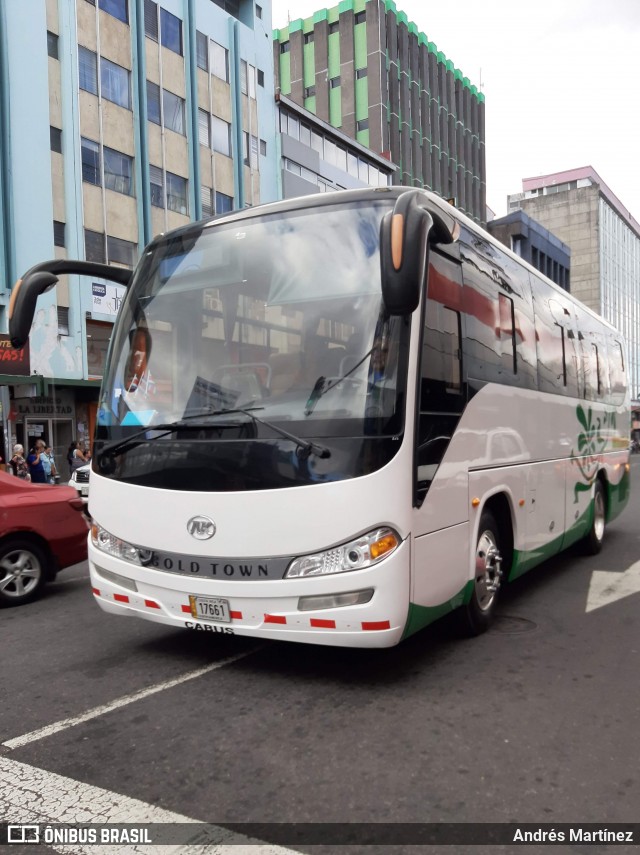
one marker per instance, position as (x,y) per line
(255,353)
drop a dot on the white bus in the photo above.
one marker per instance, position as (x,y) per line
(337,418)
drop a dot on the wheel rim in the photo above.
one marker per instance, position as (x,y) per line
(20,572)
(488,570)
(598,515)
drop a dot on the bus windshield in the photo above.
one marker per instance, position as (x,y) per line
(255,353)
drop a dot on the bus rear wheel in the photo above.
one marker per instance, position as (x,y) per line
(594,539)
(478,613)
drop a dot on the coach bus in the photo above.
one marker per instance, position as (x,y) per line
(337,418)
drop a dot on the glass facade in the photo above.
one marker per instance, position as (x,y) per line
(620,284)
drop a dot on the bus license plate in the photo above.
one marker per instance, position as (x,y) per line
(205,608)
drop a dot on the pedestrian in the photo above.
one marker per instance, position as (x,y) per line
(49,464)
(36,464)
(18,464)
(75,456)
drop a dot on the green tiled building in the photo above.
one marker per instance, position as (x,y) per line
(364,68)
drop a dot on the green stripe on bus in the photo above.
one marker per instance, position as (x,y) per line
(420,616)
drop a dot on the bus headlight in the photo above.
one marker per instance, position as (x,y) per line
(112,545)
(363,552)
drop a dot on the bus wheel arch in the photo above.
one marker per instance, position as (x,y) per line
(595,536)
(492,557)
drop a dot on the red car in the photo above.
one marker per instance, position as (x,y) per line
(42,530)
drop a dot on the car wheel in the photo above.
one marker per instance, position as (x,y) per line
(594,539)
(478,613)
(22,571)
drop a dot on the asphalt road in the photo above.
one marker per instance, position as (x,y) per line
(534,722)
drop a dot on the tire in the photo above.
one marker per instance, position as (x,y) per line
(23,567)
(479,612)
(595,538)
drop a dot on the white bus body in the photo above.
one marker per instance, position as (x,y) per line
(506,438)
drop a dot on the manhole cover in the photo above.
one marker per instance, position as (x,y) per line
(511,625)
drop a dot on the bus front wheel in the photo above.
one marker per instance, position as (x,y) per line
(478,613)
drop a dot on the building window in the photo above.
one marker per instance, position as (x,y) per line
(153,102)
(285,47)
(359,17)
(121,251)
(243,76)
(258,11)
(87,70)
(177,194)
(360,73)
(170,31)
(151,19)
(260,78)
(63,320)
(173,111)
(58,233)
(334,82)
(334,28)
(362,125)
(118,171)
(114,83)
(55,135)
(90,152)
(219,58)
(224,203)
(94,247)
(206,200)
(117,8)
(204,137)
(202,53)
(252,81)
(230,6)
(52,45)
(156,186)
(309,38)
(309,91)
(263,148)
(221,136)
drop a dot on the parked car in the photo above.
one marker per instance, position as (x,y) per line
(42,531)
(80,481)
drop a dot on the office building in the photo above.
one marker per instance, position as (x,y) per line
(364,68)
(533,242)
(604,238)
(119,119)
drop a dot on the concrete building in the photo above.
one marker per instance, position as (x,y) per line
(119,119)
(316,157)
(537,245)
(364,68)
(581,210)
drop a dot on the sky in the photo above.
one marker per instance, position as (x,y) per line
(560,79)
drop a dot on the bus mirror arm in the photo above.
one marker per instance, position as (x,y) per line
(41,278)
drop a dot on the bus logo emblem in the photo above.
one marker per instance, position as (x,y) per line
(202,528)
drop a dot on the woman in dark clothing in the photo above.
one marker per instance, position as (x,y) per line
(36,467)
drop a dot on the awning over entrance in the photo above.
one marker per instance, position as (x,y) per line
(45,384)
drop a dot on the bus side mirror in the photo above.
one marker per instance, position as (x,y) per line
(22,304)
(403,253)
(404,233)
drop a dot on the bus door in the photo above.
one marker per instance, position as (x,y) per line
(440,519)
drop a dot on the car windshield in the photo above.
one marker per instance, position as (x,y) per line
(234,329)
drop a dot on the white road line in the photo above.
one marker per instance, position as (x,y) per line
(31,795)
(56,727)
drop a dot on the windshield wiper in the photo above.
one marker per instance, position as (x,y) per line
(109,451)
(305,447)
(322,387)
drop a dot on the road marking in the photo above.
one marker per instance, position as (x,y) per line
(29,795)
(57,726)
(606,588)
